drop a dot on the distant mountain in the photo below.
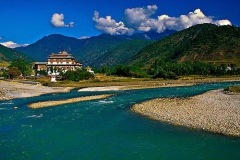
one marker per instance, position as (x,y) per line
(54,43)
(94,51)
(8,55)
(121,53)
(96,47)
(152,35)
(203,42)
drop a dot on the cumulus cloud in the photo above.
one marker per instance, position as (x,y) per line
(11,44)
(184,21)
(140,19)
(58,21)
(223,22)
(110,26)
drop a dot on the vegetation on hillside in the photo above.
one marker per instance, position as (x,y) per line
(121,53)
(8,55)
(204,42)
(96,47)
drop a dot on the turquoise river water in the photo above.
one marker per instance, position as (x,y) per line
(106,129)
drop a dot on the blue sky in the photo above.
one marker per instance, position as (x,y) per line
(26,21)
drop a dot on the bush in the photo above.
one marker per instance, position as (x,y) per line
(78,75)
(234,89)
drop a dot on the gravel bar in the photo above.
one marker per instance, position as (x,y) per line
(213,111)
(66,101)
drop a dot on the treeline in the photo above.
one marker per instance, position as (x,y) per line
(170,70)
(136,70)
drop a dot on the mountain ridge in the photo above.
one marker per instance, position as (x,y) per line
(203,42)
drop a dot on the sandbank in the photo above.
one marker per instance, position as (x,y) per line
(213,111)
(107,88)
(14,89)
(66,101)
(130,87)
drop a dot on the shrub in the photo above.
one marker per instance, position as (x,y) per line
(234,89)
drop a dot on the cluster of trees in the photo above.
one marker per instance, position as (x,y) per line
(77,75)
(170,70)
(136,70)
(18,67)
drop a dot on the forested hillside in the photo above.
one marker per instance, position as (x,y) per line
(121,53)
(8,55)
(204,42)
(96,47)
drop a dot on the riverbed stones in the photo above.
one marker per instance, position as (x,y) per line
(213,111)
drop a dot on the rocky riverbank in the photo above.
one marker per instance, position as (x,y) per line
(71,100)
(212,111)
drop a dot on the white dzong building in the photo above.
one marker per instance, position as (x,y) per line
(62,61)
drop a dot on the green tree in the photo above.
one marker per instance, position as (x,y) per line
(13,72)
(123,70)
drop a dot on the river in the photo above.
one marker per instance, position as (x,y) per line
(106,129)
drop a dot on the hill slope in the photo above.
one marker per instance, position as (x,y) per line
(204,42)
(121,53)
(95,47)
(8,55)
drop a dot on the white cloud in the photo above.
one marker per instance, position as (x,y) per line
(223,22)
(0,38)
(11,44)
(84,37)
(140,19)
(58,21)
(110,26)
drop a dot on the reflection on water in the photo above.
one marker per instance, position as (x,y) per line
(106,129)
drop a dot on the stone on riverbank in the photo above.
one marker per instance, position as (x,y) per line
(213,111)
